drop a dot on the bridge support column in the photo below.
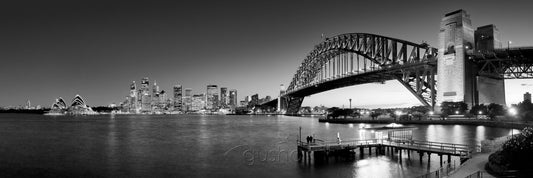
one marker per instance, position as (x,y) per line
(449,159)
(369,151)
(408,154)
(421,154)
(299,154)
(440,155)
(400,156)
(361,152)
(429,158)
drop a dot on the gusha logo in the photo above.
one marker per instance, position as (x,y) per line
(251,156)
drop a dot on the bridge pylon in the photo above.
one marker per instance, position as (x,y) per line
(459,79)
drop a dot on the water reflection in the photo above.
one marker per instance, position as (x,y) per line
(195,146)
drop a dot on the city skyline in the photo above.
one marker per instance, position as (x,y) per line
(95,50)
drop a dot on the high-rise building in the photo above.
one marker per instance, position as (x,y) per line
(146,100)
(212,96)
(198,102)
(177,98)
(187,100)
(527,97)
(233,99)
(223,97)
(132,99)
(155,94)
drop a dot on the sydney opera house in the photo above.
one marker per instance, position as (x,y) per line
(78,107)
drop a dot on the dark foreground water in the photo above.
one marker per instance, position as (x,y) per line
(197,146)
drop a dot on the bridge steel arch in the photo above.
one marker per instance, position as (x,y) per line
(331,64)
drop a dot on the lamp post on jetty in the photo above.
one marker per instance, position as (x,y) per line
(350,103)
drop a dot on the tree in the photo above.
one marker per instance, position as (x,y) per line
(479,109)
(333,112)
(449,108)
(355,114)
(374,114)
(495,110)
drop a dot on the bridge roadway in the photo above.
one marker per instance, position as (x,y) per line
(323,148)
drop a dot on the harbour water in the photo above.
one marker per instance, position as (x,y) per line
(198,146)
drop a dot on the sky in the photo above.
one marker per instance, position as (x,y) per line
(96,49)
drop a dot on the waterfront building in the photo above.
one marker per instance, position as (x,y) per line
(187,100)
(244,103)
(198,102)
(146,100)
(212,96)
(78,107)
(223,97)
(233,99)
(178,98)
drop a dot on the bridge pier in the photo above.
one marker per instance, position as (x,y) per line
(400,156)
(429,158)
(440,155)
(361,152)
(408,154)
(421,154)
(449,159)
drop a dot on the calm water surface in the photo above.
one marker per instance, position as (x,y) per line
(197,146)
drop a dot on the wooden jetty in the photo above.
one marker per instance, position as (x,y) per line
(382,140)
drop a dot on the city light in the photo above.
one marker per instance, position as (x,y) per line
(456,112)
(398,112)
(480,112)
(431,112)
(513,111)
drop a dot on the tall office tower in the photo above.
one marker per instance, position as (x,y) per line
(178,98)
(162,98)
(212,94)
(223,97)
(132,99)
(233,99)
(155,94)
(198,102)
(187,100)
(146,100)
(527,97)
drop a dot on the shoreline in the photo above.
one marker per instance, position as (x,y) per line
(476,122)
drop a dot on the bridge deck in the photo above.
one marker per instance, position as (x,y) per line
(423,146)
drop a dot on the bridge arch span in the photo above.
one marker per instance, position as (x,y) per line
(358,58)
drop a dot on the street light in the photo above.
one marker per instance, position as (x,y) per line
(456,112)
(509,44)
(350,103)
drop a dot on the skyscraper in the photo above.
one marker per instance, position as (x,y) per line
(145,95)
(212,97)
(177,98)
(188,100)
(233,98)
(155,94)
(198,102)
(132,99)
(223,97)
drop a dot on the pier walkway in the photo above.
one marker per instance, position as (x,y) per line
(324,148)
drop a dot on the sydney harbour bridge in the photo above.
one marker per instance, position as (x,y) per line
(469,65)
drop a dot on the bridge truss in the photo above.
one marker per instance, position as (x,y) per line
(511,63)
(358,58)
